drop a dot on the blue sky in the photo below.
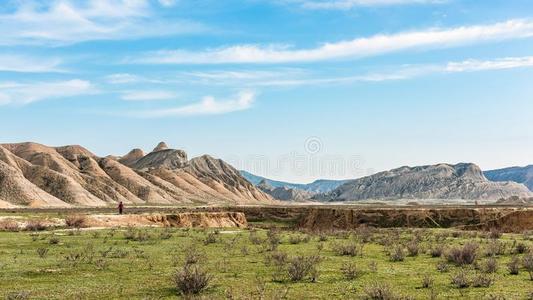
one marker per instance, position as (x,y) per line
(291,89)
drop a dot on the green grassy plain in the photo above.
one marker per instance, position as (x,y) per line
(139,264)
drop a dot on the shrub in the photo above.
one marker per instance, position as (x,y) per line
(514,266)
(527,261)
(379,291)
(276,258)
(54,240)
(301,266)
(191,279)
(165,234)
(463,256)
(412,248)
(427,281)
(42,252)
(192,255)
(35,225)
(495,233)
(443,267)
(491,265)
(345,249)
(350,271)
(9,225)
(273,240)
(521,248)
(482,280)
(76,221)
(495,248)
(460,280)
(397,254)
(373,266)
(210,238)
(22,295)
(101,264)
(254,238)
(437,251)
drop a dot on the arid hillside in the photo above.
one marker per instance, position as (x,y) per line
(36,175)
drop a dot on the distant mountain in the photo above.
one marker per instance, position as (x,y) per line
(517,174)
(284,193)
(36,175)
(317,186)
(442,181)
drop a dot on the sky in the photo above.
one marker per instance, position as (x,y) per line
(293,90)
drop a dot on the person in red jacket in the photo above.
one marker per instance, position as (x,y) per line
(120,207)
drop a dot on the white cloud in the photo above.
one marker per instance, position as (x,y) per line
(26,64)
(147,95)
(167,3)
(409,72)
(207,106)
(472,65)
(348,4)
(122,78)
(25,93)
(356,48)
(68,21)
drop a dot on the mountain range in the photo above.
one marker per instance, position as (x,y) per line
(442,181)
(315,187)
(522,175)
(36,175)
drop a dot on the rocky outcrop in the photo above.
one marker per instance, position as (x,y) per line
(443,181)
(522,175)
(36,175)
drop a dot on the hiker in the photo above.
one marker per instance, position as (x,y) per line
(120,207)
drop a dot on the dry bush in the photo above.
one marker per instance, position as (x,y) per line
(101,264)
(460,280)
(495,248)
(297,239)
(514,266)
(22,295)
(350,271)
(345,249)
(436,251)
(413,248)
(397,254)
(443,267)
(210,238)
(494,233)
(193,255)
(254,238)
(35,225)
(463,256)
(76,221)
(520,248)
(482,280)
(54,240)
(273,240)
(427,281)
(527,262)
(191,279)
(42,252)
(9,225)
(379,291)
(491,265)
(373,266)
(276,258)
(301,266)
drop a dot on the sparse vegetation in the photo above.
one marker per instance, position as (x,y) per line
(289,263)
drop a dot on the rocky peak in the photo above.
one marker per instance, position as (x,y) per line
(132,157)
(161,146)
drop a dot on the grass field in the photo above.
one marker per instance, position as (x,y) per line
(141,263)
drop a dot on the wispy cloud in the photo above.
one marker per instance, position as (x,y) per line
(122,78)
(68,21)
(25,93)
(27,64)
(410,71)
(348,4)
(147,95)
(356,48)
(207,106)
